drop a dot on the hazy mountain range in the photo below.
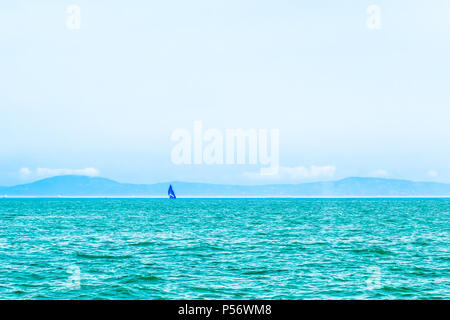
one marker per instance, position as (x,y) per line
(93,186)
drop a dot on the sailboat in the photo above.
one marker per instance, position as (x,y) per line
(171,193)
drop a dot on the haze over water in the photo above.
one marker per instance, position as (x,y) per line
(224,249)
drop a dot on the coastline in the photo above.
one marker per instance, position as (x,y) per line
(227,197)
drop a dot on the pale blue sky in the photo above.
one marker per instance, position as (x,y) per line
(108,96)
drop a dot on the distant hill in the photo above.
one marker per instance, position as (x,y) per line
(359,187)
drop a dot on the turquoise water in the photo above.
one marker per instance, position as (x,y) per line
(224,249)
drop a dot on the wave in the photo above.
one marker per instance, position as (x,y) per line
(94,256)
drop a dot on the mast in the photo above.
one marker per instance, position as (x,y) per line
(171,193)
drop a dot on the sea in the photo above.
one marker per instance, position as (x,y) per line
(225,248)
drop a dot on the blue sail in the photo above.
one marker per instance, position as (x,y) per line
(171,193)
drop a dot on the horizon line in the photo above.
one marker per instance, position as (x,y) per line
(226,184)
(137,197)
